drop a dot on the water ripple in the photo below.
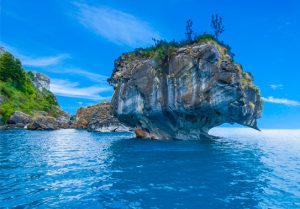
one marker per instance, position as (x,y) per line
(78,169)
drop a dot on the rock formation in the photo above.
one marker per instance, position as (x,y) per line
(184,92)
(40,81)
(42,121)
(98,118)
(39,121)
(19,119)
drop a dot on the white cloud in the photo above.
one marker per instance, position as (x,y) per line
(288,23)
(51,63)
(282,101)
(35,61)
(42,61)
(71,89)
(276,86)
(91,76)
(116,26)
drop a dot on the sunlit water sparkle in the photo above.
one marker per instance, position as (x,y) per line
(79,169)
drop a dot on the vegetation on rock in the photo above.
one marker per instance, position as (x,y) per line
(217,25)
(188,30)
(162,50)
(18,93)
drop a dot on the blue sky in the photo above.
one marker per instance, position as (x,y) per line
(76,42)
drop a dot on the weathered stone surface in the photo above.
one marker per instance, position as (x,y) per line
(41,121)
(141,134)
(40,81)
(197,88)
(64,121)
(98,118)
(111,124)
(19,119)
(83,116)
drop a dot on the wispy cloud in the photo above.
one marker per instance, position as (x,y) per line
(116,26)
(71,89)
(282,101)
(87,74)
(92,76)
(284,25)
(42,61)
(276,86)
(36,61)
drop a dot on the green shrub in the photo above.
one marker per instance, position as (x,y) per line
(6,110)
(11,70)
(162,49)
(252,105)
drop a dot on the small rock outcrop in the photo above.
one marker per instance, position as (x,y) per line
(64,121)
(98,118)
(39,121)
(184,92)
(19,119)
(40,81)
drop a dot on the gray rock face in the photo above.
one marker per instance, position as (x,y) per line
(107,125)
(196,88)
(19,119)
(64,121)
(98,118)
(40,81)
(103,121)
(41,121)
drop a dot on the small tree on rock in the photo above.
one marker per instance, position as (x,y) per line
(217,25)
(188,30)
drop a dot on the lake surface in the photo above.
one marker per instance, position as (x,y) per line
(79,169)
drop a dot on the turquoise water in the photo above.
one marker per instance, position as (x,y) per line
(78,169)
